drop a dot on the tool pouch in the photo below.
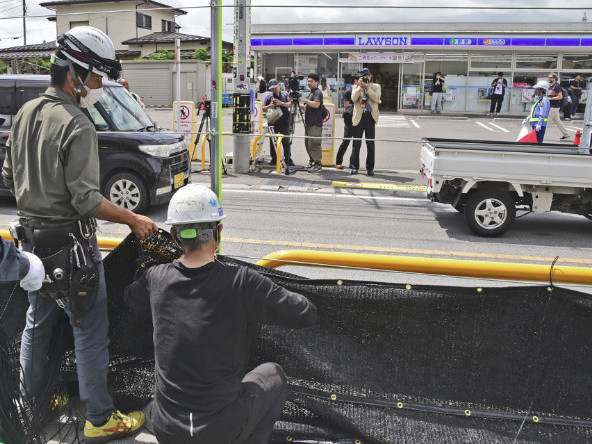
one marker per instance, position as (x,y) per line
(57,266)
(83,291)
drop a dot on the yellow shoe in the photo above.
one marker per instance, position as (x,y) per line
(117,426)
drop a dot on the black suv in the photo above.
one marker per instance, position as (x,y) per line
(140,164)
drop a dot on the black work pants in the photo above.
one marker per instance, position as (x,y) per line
(281,127)
(496,103)
(347,135)
(366,127)
(261,402)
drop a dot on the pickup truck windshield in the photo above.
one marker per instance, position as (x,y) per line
(122,109)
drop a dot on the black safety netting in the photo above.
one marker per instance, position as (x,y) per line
(385,363)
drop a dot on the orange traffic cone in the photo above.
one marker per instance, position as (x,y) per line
(529,138)
(578,138)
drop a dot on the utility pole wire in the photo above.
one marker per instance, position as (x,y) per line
(457,8)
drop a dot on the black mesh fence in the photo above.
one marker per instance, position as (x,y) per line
(385,363)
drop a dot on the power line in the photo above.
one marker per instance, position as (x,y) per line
(346,6)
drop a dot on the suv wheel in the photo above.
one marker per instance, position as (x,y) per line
(126,190)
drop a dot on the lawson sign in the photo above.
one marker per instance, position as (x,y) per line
(382,40)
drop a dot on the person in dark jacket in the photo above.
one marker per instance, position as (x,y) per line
(499,86)
(204,313)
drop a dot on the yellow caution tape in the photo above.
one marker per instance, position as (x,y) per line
(379,186)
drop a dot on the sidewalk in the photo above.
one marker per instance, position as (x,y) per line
(329,181)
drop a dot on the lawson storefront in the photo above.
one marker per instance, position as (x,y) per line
(405,56)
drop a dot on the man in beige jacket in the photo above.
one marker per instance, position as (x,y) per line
(365,97)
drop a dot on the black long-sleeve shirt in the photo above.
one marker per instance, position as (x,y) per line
(202,318)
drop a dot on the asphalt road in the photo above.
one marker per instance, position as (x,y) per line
(262,221)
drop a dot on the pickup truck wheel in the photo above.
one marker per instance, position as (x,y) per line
(126,190)
(490,213)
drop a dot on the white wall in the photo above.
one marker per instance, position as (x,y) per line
(122,25)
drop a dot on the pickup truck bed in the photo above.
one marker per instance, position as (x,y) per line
(487,179)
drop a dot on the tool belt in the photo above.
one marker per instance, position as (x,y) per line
(62,246)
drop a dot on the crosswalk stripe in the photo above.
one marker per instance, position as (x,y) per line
(485,126)
(500,127)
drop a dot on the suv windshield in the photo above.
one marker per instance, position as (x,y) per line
(121,108)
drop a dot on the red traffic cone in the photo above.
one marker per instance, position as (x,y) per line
(529,138)
(578,138)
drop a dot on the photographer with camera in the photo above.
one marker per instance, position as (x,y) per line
(365,97)
(313,122)
(437,92)
(347,125)
(280,100)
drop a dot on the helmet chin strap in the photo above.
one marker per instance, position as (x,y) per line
(77,80)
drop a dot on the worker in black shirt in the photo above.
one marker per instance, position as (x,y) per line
(203,314)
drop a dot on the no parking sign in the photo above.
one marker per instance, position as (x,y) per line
(327,144)
(185,123)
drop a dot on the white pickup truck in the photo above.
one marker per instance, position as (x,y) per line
(487,180)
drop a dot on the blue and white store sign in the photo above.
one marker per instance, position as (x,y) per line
(383,41)
(419,41)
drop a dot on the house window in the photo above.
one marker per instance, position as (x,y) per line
(143,21)
(74,24)
(168,26)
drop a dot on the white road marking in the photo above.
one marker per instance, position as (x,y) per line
(500,127)
(392,122)
(485,126)
(574,128)
(415,124)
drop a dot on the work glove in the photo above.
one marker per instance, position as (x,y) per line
(538,127)
(525,121)
(34,278)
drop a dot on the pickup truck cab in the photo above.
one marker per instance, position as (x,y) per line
(488,180)
(140,164)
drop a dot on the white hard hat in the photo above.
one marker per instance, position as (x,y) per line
(194,204)
(89,48)
(542,84)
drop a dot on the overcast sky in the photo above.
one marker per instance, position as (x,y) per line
(197,21)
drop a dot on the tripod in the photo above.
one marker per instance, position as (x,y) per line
(206,121)
(294,110)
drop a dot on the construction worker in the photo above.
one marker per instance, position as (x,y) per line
(52,168)
(539,113)
(203,313)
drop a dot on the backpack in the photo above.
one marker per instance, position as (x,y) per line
(565,100)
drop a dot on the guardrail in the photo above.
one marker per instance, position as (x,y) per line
(555,273)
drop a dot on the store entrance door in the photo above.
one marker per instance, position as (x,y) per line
(387,76)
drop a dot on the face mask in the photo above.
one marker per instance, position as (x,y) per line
(92,95)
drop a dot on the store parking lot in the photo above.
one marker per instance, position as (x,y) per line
(399,134)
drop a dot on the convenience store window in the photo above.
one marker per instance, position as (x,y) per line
(576,61)
(536,61)
(454,68)
(491,61)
